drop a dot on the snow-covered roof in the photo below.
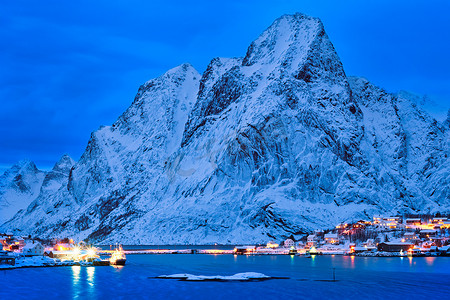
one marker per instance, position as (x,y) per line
(428,231)
(331,236)
(61,252)
(397,243)
(360,249)
(31,246)
(245,247)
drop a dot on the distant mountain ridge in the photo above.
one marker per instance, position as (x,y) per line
(23,183)
(274,144)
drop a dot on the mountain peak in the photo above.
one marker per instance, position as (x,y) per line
(25,166)
(289,32)
(64,164)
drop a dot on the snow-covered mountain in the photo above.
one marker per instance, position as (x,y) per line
(23,183)
(273,144)
(19,185)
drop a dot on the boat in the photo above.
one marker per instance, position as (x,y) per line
(118,257)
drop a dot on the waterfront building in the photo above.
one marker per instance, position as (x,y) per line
(312,240)
(331,238)
(245,249)
(394,246)
(6,259)
(33,249)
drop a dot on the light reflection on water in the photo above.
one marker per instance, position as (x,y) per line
(430,260)
(91,281)
(83,279)
(76,280)
(90,275)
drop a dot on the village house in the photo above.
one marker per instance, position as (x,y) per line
(397,220)
(33,249)
(331,238)
(440,220)
(427,233)
(62,255)
(358,249)
(289,243)
(377,219)
(413,221)
(312,240)
(410,236)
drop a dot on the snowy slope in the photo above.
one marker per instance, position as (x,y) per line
(273,144)
(19,185)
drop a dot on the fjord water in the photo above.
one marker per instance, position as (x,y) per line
(371,278)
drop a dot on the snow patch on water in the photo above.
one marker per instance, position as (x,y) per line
(239,277)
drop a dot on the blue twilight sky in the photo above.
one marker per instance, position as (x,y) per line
(67,67)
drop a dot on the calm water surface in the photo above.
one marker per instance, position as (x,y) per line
(371,278)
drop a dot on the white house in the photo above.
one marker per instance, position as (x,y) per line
(312,240)
(331,238)
(410,236)
(33,249)
(289,243)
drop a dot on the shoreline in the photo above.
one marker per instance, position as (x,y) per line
(70,264)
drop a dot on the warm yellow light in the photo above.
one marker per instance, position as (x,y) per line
(91,252)
(76,251)
(272,245)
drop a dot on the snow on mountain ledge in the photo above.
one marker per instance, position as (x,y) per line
(271,145)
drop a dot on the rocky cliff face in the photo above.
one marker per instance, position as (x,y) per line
(274,144)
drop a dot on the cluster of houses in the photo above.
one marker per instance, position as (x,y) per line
(382,236)
(23,245)
(18,246)
(404,236)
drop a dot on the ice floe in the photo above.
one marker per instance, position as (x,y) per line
(247,276)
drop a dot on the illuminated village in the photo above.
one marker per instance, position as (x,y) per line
(382,236)
(24,252)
